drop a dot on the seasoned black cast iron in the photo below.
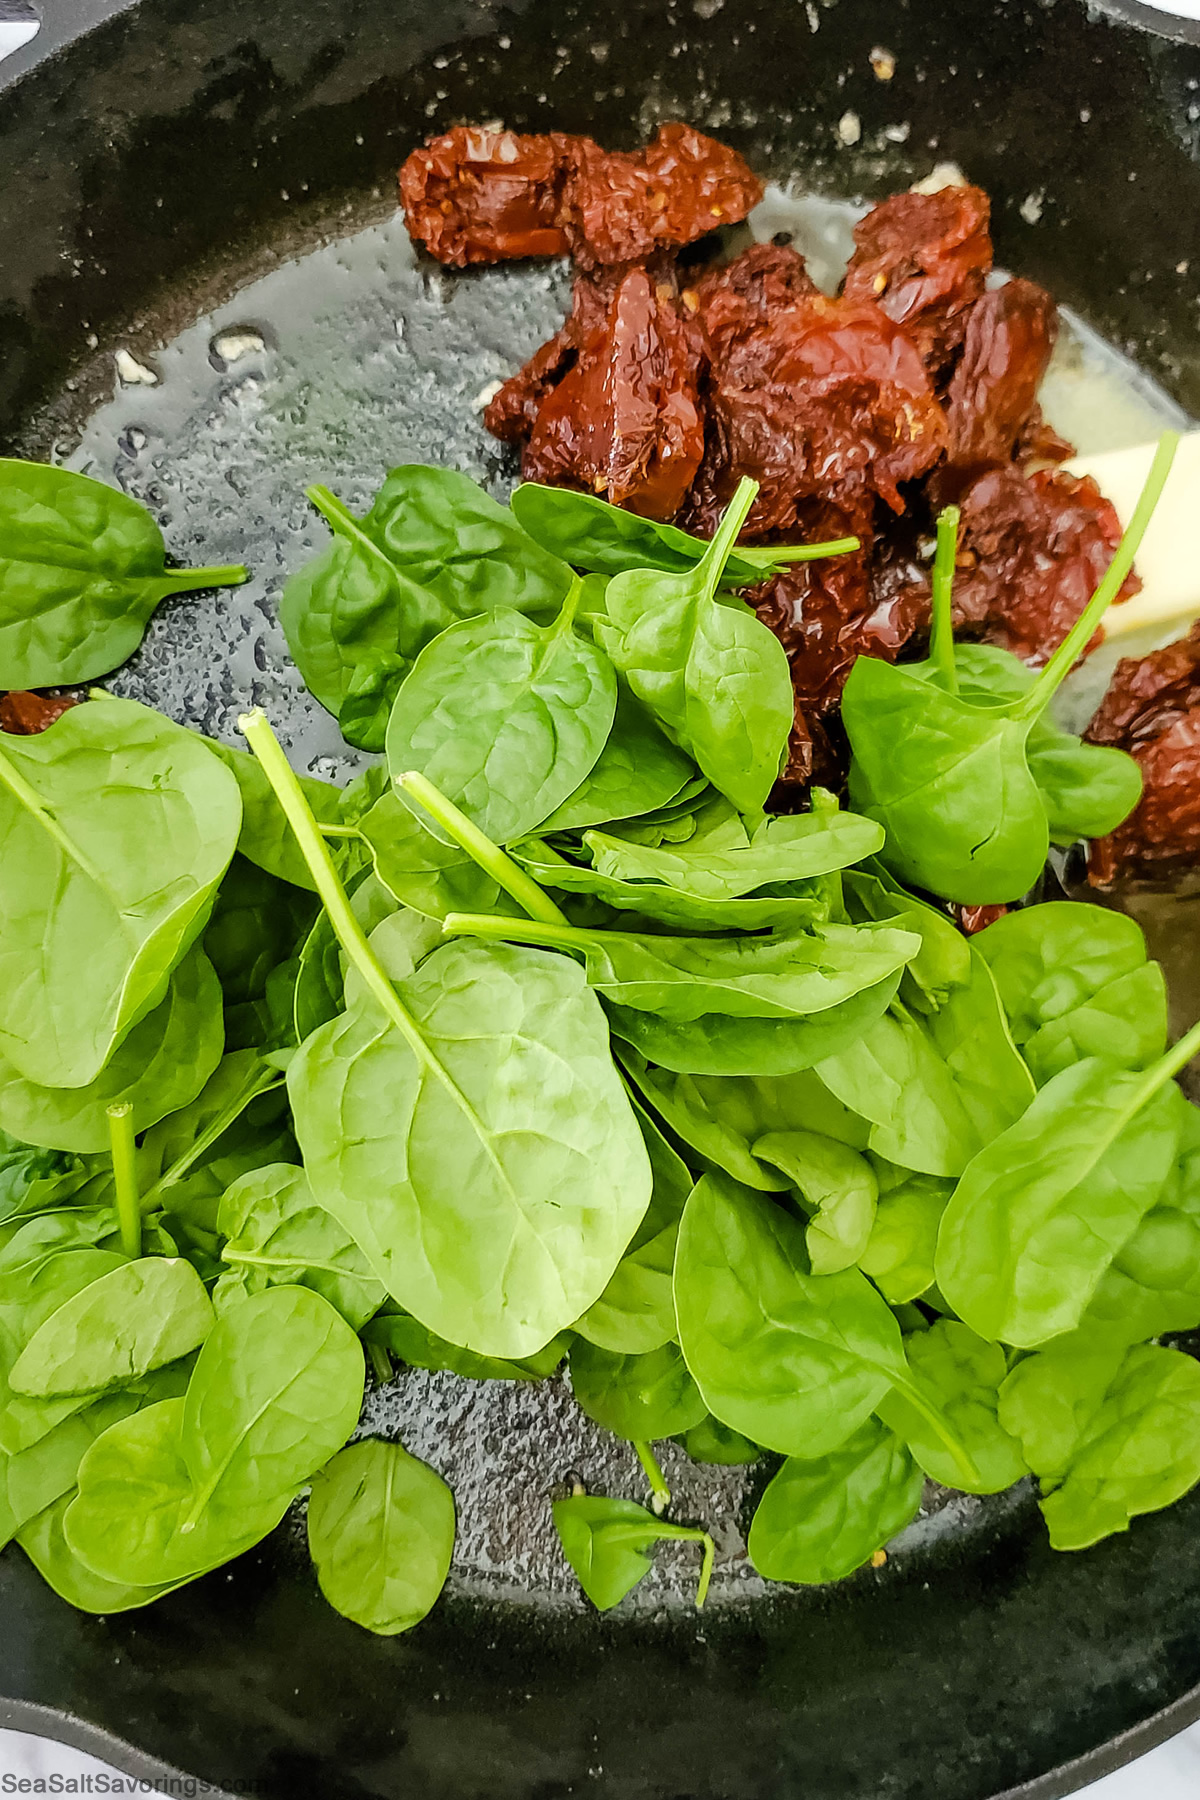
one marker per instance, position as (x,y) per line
(145,154)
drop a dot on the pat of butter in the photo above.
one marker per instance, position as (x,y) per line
(1169,559)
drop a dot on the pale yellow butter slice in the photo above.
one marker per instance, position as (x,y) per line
(1169,559)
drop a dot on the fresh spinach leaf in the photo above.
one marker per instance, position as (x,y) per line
(117,827)
(381,1534)
(123,1325)
(589,533)
(432,550)
(721,1117)
(640,1397)
(401,1335)
(188,1483)
(1110,1435)
(823,1517)
(421,871)
(714,676)
(712,1442)
(275,1233)
(498,1173)
(1075,982)
(795,1361)
(82,567)
(722,861)
(161,1065)
(606,1543)
(716,1044)
(505,717)
(935,1088)
(795,905)
(837,1184)
(950,775)
(638,771)
(1043,1209)
(785,976)
(961,1375)
(900,1252)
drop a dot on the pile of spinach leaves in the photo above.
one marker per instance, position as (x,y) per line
(544,1042)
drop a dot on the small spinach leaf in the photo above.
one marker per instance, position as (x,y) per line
(160,1066)
(712,673)
(504,717)
(823,1517)
(128,1322)
(276,1233)
(189,1483)
(381,1534)
(117,827)
(82,567)
(961,1374)
(606,1543)
(640,1397)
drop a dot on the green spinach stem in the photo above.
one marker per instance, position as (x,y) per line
(228,575)
(772,557)
(941,642)
(256,730)
(124,1162)
(1077,639)
(721,545)
(492,925)
(659,1491)
(502,869)
(381,1363)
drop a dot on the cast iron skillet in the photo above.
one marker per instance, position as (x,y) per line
(144,153)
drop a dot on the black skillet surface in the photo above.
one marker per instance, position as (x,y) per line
(148,169)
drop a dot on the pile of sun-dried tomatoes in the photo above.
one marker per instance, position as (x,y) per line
(859,414)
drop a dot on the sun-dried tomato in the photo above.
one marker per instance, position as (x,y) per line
(977,918)
(737,298)
(1147,694)
(476,195)
(1152,709)
(25,714)
(1163,831)
(625,420)
(827,612)
(924,257)
(1038,442)
(993,391)
(512,413)
(480,196)
(620,207)
(829,398)
(1032,551)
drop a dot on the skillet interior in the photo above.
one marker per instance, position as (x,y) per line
(150,173)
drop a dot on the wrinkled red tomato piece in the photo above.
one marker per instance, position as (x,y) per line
(993,391)
(25,714)
(829,398)
(475,195)
(736,299)
(923,258)
(625,420)
(1032,551)
(971,919)
(513,412)
(621,207)
(1152,709)
(480,196)
(827,613)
